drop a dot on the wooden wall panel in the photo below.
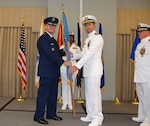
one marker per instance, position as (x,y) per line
(127,19)
(12,16)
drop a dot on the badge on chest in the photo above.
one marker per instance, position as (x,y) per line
(142,51)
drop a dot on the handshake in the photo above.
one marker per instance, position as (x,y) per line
(72,69)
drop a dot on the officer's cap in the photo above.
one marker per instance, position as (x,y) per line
(143,27)
(71,34)
(51,20)
(88,19)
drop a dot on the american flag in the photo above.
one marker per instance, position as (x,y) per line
(21,64)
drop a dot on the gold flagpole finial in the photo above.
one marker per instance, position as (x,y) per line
(62,7)
(42,17)
(100,20)
(138,20)
(22,20)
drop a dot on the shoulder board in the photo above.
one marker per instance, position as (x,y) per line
(96,33)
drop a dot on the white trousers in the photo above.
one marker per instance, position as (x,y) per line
(93,98)
(143,93)
(66,93)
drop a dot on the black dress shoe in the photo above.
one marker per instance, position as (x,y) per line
(41,121)
(57,118)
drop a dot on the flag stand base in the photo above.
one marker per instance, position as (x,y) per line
(117,101)
(60,99)
(80,100)
(135,101)
(20,98)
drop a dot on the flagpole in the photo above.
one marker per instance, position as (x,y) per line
(20,98)
(80,17)
(135,101)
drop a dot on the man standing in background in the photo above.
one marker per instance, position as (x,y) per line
(142,74)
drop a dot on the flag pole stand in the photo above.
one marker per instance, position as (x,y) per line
(135,101)
(60,98)
(116,101)
(20,98)
(80,100)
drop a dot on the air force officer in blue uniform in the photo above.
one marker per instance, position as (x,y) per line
(49,71)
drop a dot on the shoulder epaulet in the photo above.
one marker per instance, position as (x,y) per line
(96,33)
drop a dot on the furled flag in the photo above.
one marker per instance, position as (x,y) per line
(103,77)
(60,35)
(38,56)
(21,63)
(136,41)
(80,73)
(66,40)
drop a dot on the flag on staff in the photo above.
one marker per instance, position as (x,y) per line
(38,56)
(103,77)
(67,45)
(66,40)
(136,41)
(80,73)
(21,63)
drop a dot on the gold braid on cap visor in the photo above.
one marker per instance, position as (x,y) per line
(88,21)
(142,29)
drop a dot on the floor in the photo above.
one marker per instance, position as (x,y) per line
(20,113)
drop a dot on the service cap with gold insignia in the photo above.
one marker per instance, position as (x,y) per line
(88,19)
(71,33)
(51,20)
(143,27)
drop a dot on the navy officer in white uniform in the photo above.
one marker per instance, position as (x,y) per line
(90,60)
(66,93)
(142,74)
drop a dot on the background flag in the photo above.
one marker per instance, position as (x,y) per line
(136,41)
(66,39)
(21,64)
(37,78)
(80,73)
(103,77)
(60,34)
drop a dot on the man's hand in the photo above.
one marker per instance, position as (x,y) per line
(68,63)
(72,69)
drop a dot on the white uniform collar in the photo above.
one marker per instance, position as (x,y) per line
(92,33)
(145,39)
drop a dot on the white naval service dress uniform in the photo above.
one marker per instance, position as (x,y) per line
(92,72)
(142,78)
(66,94)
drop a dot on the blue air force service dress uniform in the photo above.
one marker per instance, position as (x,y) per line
(142,75)
(92,72)
(66,94)
(49,71)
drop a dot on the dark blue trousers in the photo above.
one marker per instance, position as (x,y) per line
(47,97)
